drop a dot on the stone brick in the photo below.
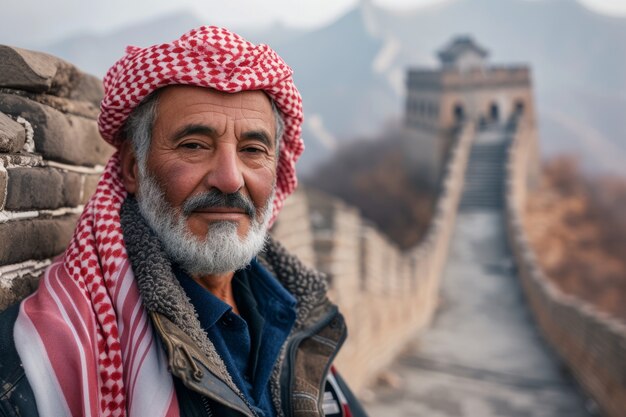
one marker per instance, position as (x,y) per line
(42,73)
(64,105)
(42,188)
(34,188)
(12,134)
(89,186)
(35,239)
(60,137)
(87,88)
(72,187)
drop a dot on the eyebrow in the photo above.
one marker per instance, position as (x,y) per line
(193,129)
(260,135)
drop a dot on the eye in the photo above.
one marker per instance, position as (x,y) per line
(190,145)
(252,149)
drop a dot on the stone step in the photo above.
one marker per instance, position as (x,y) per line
(482,191)
(493,201)
(484,178)
(482,198)
(486,167)
(480,175)
(481,202)
(491,182)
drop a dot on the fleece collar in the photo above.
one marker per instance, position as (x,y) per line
(162,293)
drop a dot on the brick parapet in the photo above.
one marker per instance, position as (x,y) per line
(40,73)
(51,156)
(58,136)
(293,228)
(450,79)
(385,294)
(592,344)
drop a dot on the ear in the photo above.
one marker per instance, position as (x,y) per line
(130,169)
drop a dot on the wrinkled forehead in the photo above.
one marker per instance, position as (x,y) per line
(187,107)
(187,95)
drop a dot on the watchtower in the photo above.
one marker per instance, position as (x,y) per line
(466,88)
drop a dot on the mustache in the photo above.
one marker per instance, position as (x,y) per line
(216,198)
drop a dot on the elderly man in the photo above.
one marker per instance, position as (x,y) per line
(171,299)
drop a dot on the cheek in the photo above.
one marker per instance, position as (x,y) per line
(260,185)
(177,180)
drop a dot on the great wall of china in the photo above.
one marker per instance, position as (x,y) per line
(592,344)
(51,156)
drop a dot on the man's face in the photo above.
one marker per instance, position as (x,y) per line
(204,140)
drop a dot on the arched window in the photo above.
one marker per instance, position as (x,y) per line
(519,107)
(494,112)
(459,113)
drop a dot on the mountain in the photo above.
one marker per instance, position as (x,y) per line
(578,60)
(351,72)
(343,96)
(95,53)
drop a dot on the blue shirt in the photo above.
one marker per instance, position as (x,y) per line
(248,343)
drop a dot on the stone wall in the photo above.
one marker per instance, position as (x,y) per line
(51,156)
(592,344)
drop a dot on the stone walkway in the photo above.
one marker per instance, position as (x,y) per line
(482,356)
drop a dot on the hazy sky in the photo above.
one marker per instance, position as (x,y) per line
(36,22)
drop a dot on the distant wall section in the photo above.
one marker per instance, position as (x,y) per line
(439,101)
(386,294)
(592,344)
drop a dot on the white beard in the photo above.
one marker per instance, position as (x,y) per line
(221,251)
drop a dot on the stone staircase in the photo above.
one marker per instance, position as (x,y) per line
(482,356)
(484,179)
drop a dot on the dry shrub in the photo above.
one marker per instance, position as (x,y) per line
(577,226)
(375,177)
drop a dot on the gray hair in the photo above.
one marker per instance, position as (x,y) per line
(138,127)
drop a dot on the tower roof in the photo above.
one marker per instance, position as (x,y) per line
(460,46)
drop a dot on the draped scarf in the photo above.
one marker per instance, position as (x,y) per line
(84,336)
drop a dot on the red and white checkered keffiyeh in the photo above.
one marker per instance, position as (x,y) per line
(84,336)
(207,57)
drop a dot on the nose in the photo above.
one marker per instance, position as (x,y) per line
(226,173)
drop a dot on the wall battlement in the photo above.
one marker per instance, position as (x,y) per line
(450,79)
(51,156)
(592,344)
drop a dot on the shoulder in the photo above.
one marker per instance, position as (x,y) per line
(16,395)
